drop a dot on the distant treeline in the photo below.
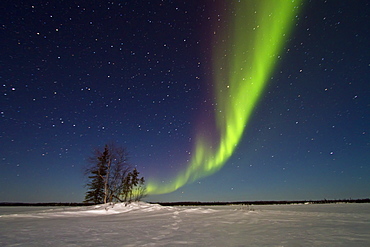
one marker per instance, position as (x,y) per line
(367,200)
(46,204)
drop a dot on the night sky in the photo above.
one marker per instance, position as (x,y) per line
(76,75)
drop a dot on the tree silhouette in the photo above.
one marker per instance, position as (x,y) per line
(111,178)
(96,193)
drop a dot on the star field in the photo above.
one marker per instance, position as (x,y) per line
(75,76)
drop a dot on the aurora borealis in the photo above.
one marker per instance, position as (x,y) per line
(243,60)
(213,100)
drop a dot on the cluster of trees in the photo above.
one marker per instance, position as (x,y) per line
(111,178)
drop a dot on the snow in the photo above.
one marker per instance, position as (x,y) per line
(143,224)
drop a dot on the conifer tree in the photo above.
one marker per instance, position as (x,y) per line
(95,193)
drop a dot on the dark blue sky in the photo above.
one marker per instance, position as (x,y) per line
(75,76)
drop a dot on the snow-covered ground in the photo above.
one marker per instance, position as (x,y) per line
(154,225)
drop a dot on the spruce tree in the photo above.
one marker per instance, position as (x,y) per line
(95,193)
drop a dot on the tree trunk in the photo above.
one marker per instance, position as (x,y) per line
(106,185)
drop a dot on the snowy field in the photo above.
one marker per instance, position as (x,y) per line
(153,225)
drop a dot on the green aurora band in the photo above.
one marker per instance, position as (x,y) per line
(243,61)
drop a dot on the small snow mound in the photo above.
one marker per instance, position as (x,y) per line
(115,208)
(199,210)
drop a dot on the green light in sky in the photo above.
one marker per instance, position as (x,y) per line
(243,60)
